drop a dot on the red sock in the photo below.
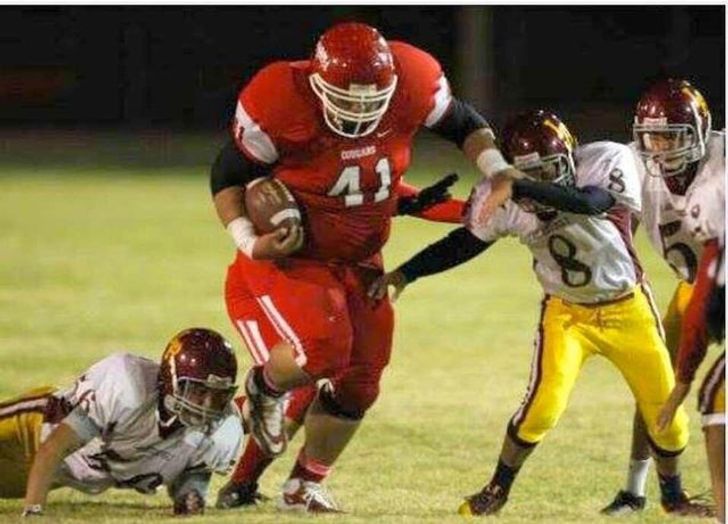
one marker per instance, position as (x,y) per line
(307,468)
(299,402)
(252,464)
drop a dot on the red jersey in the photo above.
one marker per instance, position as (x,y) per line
(346,188)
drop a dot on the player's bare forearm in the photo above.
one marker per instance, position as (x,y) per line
(229,204)
(477,142)
(60,443)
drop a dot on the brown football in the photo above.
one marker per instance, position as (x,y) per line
(270,205)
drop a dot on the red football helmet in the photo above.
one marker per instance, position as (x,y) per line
(671,127)
(539,144)
(197,376)
(353,74)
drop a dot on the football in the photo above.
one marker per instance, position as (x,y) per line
(270,205)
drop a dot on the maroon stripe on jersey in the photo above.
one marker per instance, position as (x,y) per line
(621,217)
(647,292)
(711,385)
(534,383)
(40,410)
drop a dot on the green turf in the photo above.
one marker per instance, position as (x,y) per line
(93,260)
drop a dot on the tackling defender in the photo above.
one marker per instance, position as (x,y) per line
(573,212)
(337,130)
(682,167)
(128,422)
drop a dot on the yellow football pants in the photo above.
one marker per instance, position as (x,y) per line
(21,419)
(672,321)
(711,399)
(628,333)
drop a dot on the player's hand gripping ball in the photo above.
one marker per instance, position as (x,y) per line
(270,205)
(273,210)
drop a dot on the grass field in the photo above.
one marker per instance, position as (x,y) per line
(95,259)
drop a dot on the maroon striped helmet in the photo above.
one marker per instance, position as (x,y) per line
(671,127)
(197,376)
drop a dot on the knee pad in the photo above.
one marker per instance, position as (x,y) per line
(332,406)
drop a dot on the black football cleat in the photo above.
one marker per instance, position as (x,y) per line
(624,504)
(234,495)
(487,502)
(687,506)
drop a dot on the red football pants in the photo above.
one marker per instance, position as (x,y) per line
(323,312)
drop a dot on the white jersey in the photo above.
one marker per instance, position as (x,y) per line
(580,258)
(115,415)
(677,225)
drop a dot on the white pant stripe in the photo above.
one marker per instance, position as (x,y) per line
(282,327)
(257,338)
(22,406)
(248,342)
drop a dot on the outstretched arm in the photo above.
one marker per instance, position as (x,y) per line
(694,335)
(451,251)
(431,203)
(467,129)
(59,444)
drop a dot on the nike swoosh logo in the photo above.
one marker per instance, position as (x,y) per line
(384,133)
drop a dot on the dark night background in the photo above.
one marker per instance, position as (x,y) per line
(167,67)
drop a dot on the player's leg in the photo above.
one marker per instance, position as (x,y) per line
(21,419)
(242,488)
(711,401)
(633,342)
(560,350)
(632,497)
(288,330)
(340,405)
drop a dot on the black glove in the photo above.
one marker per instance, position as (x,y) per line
(428,197)
(191,503)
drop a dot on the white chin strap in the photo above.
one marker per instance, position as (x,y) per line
(364,121)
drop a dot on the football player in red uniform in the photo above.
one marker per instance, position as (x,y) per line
(337,130)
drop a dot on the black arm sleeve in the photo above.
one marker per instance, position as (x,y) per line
(460,120)
(455,249)
(232,168)
(589,200)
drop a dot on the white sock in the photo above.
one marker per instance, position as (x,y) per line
(637,476)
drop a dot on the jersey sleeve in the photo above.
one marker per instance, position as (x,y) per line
(617,172)
(425,83)
(259,114)
(100,398)
(500,225)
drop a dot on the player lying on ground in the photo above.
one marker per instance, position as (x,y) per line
(128,422)
(573,212)
(681,163)
(338,131)
(705,321)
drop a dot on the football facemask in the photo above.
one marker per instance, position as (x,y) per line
(353,112)
(556,169)
(200,404)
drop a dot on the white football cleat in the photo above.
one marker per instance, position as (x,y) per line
(307,497)
(265,417)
